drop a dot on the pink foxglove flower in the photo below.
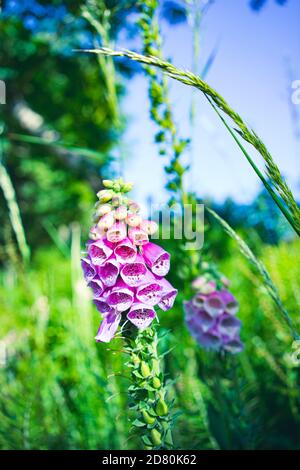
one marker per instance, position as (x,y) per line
(89,270)
(210,317)
(125,272)
(109,271)
(99,252)
(168,295)
(125,251)
(141,315)
(156,258)
(138,236)
(117,232)
(151,291)
(108,327)
(97,287)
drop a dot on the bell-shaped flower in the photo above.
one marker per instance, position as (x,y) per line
(106,221)
(198,300)
(121,296)
(134,273)
(234,346)
(133,220)
(109,272)
(213,304)
(156,258)
(149,226)
(108,327)
(229,326)
(138,236)
(88,269)
(102,305)
(120,213)
(169,294)
(197,319)
(125,251)
(150,291)
(210,340)
(99,252)
(230,302)
(97,288)
(117,232)
(141,315)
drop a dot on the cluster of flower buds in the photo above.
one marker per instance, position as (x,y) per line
(123,268)
(211,315)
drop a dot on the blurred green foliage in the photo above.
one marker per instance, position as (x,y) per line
(57,95)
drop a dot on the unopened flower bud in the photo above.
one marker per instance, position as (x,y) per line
(103,209)
(106,221)
(105,195)
(133,220)
(117,232)
(120,213)
(145,369)
(161,407)
(209,287)
(155,437)
(95,218)
(95,233)
(156,382)
(127,187)
(138,236)
(225,281)
(149,226)
(133,206)
(135,359)
(108,184)
(116,200)
(147,418)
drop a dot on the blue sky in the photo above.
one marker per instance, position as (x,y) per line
(251,73)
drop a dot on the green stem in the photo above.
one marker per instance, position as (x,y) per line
(147,392)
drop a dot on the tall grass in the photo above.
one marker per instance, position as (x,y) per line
(14,212)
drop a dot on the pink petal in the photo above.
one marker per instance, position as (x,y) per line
(156,258)
(168,295)
(108,327)
(109,272)
(117,232)
(88,269)
(150,291)
(214,305)
(120,296)
(99,252)
(138,236)
(97,288)
(141,315)
(125,251)
(229,325)
(134,273)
